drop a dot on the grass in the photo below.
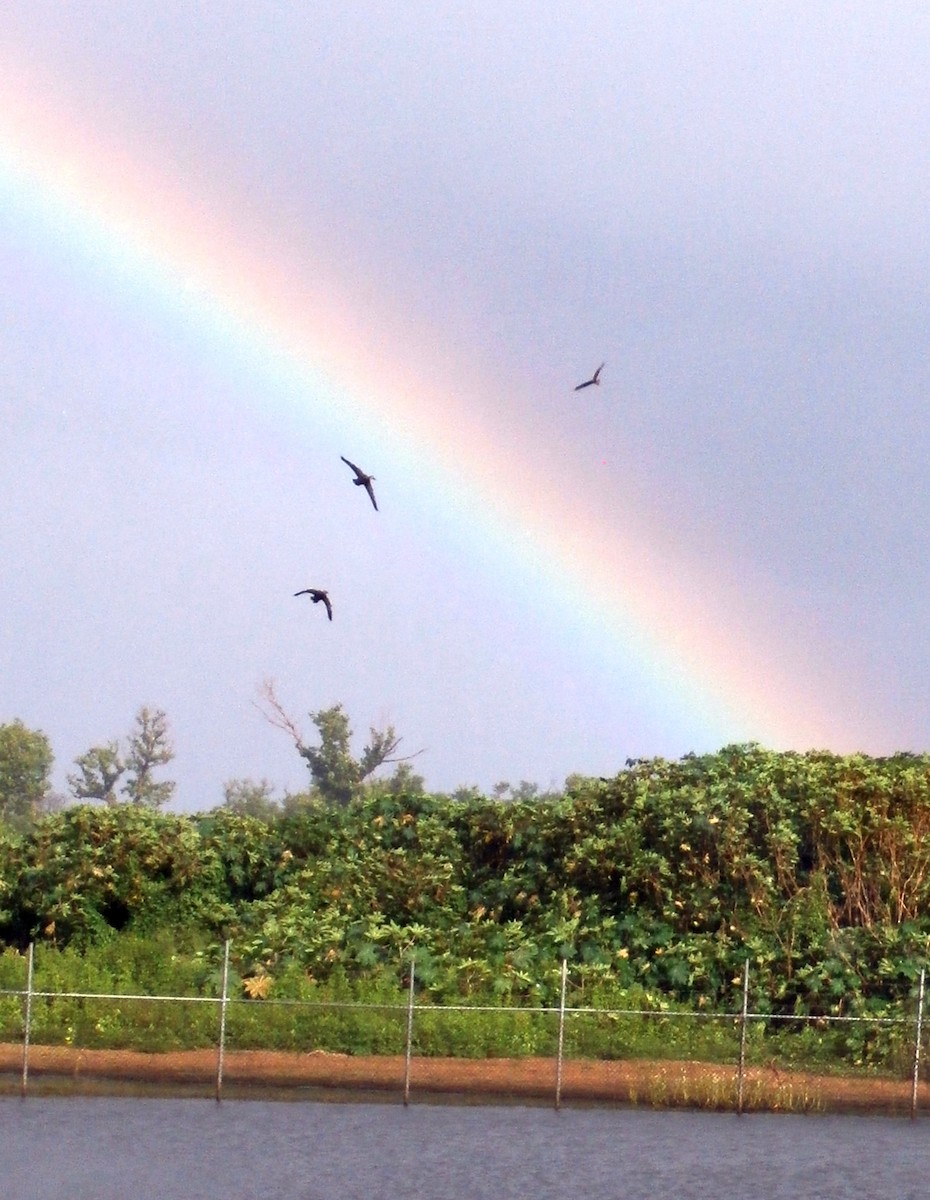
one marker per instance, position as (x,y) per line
(367,1016)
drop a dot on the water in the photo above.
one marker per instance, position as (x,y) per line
(130,1149)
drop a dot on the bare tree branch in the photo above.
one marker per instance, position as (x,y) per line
(273,711)
(337,774)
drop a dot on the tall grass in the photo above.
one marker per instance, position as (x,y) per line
(367,1015)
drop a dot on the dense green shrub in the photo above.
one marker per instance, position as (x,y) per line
(663,879)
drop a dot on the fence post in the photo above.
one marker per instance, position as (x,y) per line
(558,1065)
(27,1024)
(224,1000)
(742,1040)
(920,1021)
(408,1049)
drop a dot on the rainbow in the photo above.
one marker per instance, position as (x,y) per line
(608,596)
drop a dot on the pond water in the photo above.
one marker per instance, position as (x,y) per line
(134,1149)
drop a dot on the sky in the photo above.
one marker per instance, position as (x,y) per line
(241,240)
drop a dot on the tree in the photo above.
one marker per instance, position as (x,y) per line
(334,771)
(403,781)
(102,767)
(338,776)
(25,767)
(251,799)
(466,794)
(149,747)
(523,793)
(99,771)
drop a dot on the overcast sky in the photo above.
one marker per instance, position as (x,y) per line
(475,204)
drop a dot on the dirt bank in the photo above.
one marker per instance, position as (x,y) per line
(63,1069)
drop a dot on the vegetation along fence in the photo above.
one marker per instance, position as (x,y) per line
(739,1060)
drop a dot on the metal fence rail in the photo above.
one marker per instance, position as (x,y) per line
(742,1019)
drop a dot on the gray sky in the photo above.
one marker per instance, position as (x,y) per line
(475,204)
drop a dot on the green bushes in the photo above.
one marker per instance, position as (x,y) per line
(367,1014)
(663,879)
(82,875)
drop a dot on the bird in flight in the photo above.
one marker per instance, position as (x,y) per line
(316,595)
(595,378)
(362,480)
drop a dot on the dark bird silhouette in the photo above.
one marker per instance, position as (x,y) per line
(316,595)
(362,480)
(595,378)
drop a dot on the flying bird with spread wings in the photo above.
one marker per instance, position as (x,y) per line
(362,480)
(595,379)
(316,595)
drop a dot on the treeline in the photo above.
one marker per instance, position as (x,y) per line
(660,882)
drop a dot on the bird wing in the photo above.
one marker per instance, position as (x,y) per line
(357,470)
(371,492)
(316,595)
(595,378)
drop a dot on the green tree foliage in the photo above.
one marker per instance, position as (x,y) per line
(524,792)
(338,776)
(149,747)
(335,772)
(252,853)
(86,873)
(25,767)
(249,798)
(662,879)
(403,781)
(101,768)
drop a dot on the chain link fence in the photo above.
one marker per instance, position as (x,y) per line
(417,1050)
